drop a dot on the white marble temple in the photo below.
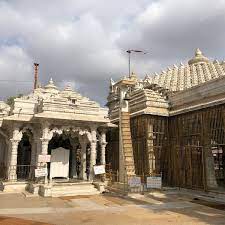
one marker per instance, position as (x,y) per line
(44,113)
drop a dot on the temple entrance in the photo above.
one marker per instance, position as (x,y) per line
(59,166)
(24,158)
(65,154)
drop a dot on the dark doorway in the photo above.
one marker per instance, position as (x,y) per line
(64,142)
(24,158)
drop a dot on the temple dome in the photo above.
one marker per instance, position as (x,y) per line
(199,58)
(51,85)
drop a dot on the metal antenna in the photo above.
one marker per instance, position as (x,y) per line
(129,57)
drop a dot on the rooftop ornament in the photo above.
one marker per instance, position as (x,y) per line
(68,88)
(133,76)
(199,58)
(51,85)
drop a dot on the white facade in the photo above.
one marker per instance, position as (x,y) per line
(45,113)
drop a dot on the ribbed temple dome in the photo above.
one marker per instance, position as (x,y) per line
(198,70)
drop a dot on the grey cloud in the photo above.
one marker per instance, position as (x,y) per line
(172,29)
(85,42)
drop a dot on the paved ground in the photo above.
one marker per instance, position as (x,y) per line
(158,208)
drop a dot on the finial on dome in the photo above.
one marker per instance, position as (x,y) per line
(68,88)
(146,77)
(112,82)
(199,58)
(133,76)
(198,52)
(50,85)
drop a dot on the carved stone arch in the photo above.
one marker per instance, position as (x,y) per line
(29,130)
(75,131)
(17,134)
(87,133)
(55,130)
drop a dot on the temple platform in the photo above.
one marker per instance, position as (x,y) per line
(68,189)
(13,187)
(65,188)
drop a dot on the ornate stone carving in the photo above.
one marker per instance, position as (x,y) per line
(43,113)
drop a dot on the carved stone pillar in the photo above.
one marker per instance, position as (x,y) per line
(44,148)
(103,144)
(83,174)
(43,144)
(74,144)
(93,158)
(150,150)
(12,176)
(12,152)
(93,155)
(44,140)
(92,137)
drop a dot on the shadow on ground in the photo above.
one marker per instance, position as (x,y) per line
(16,221)
(209,212)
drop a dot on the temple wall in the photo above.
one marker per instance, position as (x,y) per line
(148,136)
(189,149)
(196,146)
(149,142)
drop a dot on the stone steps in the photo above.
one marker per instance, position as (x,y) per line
(74,193)
(73,189)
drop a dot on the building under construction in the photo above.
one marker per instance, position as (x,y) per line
(174,124)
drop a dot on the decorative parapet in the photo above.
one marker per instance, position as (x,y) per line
(50,102)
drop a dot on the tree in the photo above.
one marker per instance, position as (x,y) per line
(10,100)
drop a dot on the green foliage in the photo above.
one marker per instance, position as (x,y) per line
(10,100)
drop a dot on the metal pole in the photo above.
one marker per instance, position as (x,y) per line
(129,57)
(129,62)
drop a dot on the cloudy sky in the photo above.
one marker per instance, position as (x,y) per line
(84,42)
